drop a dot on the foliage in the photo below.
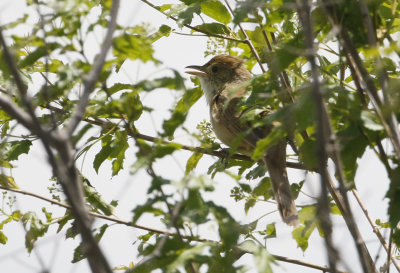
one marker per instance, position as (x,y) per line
(59,56)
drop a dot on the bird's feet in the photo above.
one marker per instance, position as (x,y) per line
(226,157)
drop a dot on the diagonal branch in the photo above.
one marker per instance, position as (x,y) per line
(247,40)
(150,229)
(90,80)
(382,76)
(16,112)
(230,38)
(303,9)
(327,140)
(376,231)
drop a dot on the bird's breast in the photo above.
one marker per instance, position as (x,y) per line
(226,127)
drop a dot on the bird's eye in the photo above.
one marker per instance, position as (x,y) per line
(214,69)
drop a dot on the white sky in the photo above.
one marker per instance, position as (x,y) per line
(176,52)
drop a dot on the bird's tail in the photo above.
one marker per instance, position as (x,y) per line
(275,160)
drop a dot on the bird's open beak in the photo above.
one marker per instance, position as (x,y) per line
(202,72)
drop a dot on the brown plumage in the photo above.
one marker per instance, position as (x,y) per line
(222,80)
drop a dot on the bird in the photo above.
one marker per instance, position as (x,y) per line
(223,81)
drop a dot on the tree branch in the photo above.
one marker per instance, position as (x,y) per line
(190,238)
(16,112)
(382,76)
(63,163)
(220,154)
(247,40)
(303,9)
(376,231)
(389,124)
(89,81)
(230,38)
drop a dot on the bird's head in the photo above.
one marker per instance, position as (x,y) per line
(220,71)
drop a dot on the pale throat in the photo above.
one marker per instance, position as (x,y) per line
(209,89)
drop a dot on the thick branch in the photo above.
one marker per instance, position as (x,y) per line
(16,112)
(63,162)
(303,10)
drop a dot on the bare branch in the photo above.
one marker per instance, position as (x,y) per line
(382,76)
(63,163)
(303,10)
(190,238)
(220,154)
(16,112)
(389,123)
(89,81)
(247,40)
(376,231)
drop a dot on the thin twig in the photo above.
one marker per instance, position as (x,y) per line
(220,154)
(60,152)
(376,231)
(90,80)
(230,38)
(190,238)
(247,40)
(101,216)
(382,76)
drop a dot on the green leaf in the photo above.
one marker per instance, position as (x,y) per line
(309,220)
(8,182)
(263,260)
(119,147)
(163,31)
(270,231)
(217,11)
(17,148)
(3,238)
(250,202)
(185,16)
(353,144)
(95,200)
(195,209)
(187,255)
(131,105)
(133,47)
(261,256)
(192,162)
(228,228)
(285,55)
(308,153)
(264,144)
(264,188)
(180,112)
(36,229)
(78,254)
(40,52)
(371,121)
(173,83)
(148,207)
(104,152)
(295,188)
(214,28)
